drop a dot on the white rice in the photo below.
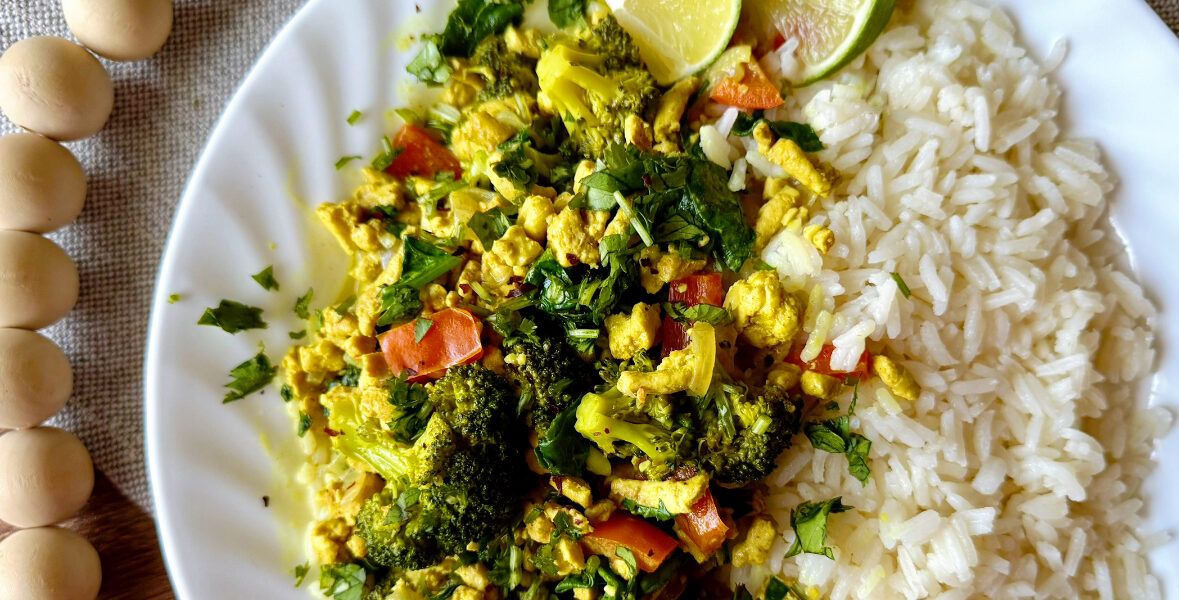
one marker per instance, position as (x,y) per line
(1017,473)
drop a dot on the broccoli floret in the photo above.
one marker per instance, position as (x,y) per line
(460,481)
(743,436)
(594,89)
(609,40)
(551,373)
(506,72)
(608,421)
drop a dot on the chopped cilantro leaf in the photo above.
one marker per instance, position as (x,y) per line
(297,335)
(804,135)
(342,582)
(386,156)
(398,303)
(420,328)
(302,303)
(304,423)
(233,317)
(265,278)
(286,392)
(249,377)
(474,20)
(834,436)
(423,262)
(659,513)
(713,315)
(173,298)
(809,521)
(562,450)
(489,226)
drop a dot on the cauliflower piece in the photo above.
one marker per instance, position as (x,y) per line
(585,594)
(687,369)
(619,225)
(786,154)
(896,377)
(515,248)
(819,385)
(574,235)
(379,189)
(601,511)
(462,87)
(676,496)
(329,539)
(657,268)
(569,556)
(474,575)
(534,216)
(755,548)
(671,109)
(633,333)
(506,187)
(497,274)
(585,168)
(764,313)
(463,592)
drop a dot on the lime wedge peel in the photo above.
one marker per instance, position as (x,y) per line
(871,17)
(678,37)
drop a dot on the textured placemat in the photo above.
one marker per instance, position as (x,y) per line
(164,110)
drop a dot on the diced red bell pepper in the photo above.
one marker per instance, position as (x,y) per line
(452,340)
(650,545)
(752,92)
(704,525)
(420,155)
(822,362)
(702,288)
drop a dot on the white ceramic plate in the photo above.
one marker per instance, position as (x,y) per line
(271,157)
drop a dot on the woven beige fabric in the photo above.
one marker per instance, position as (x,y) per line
(165,108)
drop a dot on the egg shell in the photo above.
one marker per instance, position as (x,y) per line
(55,87)
(45,476)
(35,378)
(38,281)
(42,186)
(120,29)
(48,562)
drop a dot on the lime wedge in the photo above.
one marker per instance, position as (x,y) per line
(830,33)
(678,37)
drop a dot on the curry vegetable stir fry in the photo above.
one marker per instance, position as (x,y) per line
(565,368)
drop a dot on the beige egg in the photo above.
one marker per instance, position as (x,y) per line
(55,87)
(35,378)
(120,29)
(48,562)
(42,187)
(45,476)
(38,282)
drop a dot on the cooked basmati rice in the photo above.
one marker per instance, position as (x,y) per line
(1017,472)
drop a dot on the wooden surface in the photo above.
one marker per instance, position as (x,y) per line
(125,537)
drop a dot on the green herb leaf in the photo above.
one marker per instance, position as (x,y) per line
(249,377)
(562,450)
(413,409)
(342,582)
(563,527)
(543,559)
(804,135)
(628,557)
(265,278)
(567,13)
(776,589)
(300,572)
(304,424)
(834,436)
(420,328)
(173,298)
(474,20)
(659,513)
(489,226)
(901,285)
(233,317)
(713,315)
(583,580)
(286,392)
(422,263)
(302,303)
(354,117)
(429,66)
(398,303)
(342,308)
(809,521)
(297,335)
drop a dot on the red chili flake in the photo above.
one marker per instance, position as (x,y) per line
(465,288)
(572,258)
(646,262)
(331,432)
(647,181)
(526,287)
(516,293)
(516,279)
